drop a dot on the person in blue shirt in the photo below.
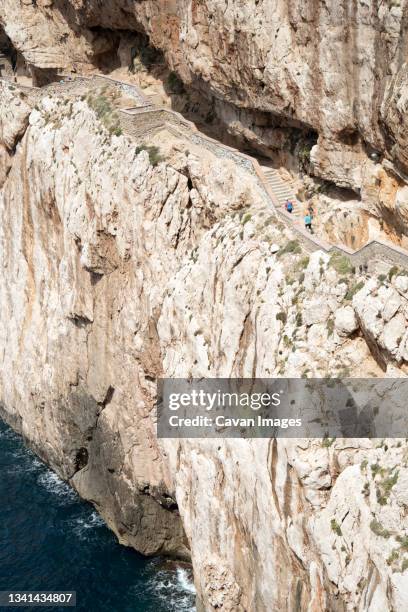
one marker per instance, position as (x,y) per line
(289,206)
(308,221)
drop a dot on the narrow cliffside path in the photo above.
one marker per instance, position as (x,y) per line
(143,117)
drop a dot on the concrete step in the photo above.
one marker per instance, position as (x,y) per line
(280,187)
(282,192)
(273,180)
(278,184)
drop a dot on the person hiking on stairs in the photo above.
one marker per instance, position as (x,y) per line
(289,206)
(308,222)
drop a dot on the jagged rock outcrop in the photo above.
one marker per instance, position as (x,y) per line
(115,271)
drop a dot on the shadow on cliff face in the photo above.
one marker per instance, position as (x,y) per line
(276,141)
(129,55)
(8,54)
(12,63)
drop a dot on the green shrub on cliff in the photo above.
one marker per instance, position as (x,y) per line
(292,246)
(155,156)
(340,263)
(353,290)
(175,84)
(335,527)
(105,112)
(379,530)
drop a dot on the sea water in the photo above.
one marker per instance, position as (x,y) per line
(50,540)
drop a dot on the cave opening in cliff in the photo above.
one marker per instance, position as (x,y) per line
(105,44)
(118,50)
(12,63)
(8,55)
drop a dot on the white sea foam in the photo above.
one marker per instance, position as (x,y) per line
(58,487)
(94,520)
(185,582)
(36,463)
(83,526)
(175,589)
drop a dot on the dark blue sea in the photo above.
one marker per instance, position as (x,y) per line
(51,540)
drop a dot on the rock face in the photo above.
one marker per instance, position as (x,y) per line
(321,86)
(76,400)
(345,321)
(337,69)
(115,271)
(17,107)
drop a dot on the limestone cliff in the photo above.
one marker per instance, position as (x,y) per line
(321,85)
(336,68)
(121,262)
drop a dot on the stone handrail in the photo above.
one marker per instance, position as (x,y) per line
(159,116)
(53,88)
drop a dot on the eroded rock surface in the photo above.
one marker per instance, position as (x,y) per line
(116,271)
(320,88)
(337,68)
